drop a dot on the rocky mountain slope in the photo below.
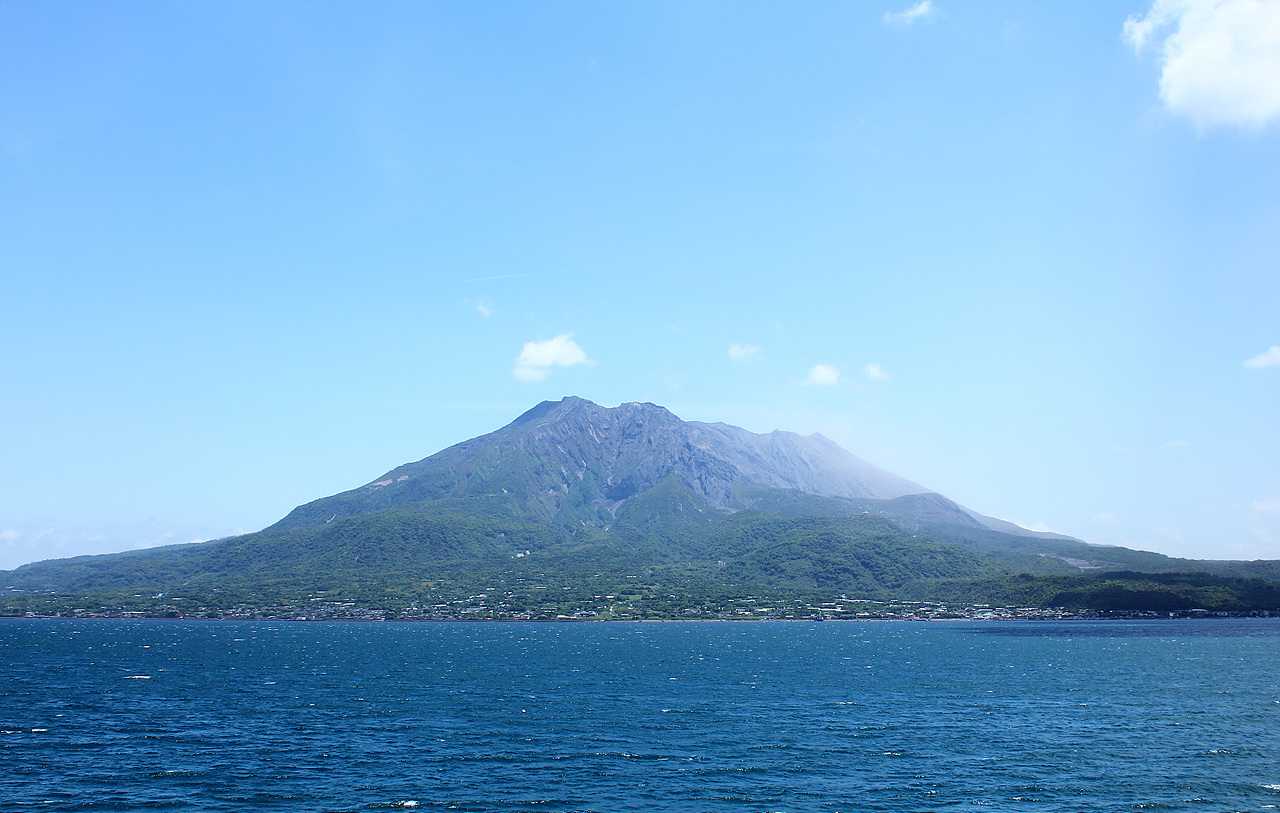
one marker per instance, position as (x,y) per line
(592,499)
(575,462)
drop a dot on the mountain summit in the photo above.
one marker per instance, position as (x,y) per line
(578,510)
(575,462)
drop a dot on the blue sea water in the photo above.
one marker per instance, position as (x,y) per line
(837,716)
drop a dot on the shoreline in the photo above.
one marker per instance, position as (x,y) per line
(1081,616)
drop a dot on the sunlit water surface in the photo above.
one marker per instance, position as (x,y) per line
(836,716)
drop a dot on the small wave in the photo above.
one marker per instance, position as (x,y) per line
(1272,787)
(137,677)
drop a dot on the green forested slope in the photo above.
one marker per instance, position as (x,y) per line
(593,503)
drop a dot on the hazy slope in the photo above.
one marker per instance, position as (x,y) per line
(580,494)
(575,462)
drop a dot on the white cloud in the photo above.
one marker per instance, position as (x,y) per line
(823,375)
(1271,358)
(1220,59)
(485,306)
(1175,444)
(923,12)
(744,352)
(1270,505)
(875,372)
(537,358)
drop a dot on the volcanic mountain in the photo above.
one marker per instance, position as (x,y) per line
(594,499)
(574,462)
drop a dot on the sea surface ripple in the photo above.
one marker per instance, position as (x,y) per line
(837,716)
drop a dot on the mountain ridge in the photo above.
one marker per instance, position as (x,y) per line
(632,501)
(576,461)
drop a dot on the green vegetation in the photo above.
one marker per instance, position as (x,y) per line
(578,511)
(1115,591)
(667,555)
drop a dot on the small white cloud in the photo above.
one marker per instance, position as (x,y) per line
(1271,358)
(744,352)
(875,372)
(1220,59)
(537,358)
(485,306)
(1176,444)
(823,375)
(923,12)
(1268,506)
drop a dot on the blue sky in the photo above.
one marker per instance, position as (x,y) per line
(1025,254)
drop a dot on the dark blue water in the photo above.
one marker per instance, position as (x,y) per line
(1022,716)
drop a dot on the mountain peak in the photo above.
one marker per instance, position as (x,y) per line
(570,404)
(575,462)
(542,410)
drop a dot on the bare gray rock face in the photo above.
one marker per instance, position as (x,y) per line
(575,461)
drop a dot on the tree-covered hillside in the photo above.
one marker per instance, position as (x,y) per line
(632,507)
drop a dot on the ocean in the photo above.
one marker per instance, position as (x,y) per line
(1177,715)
